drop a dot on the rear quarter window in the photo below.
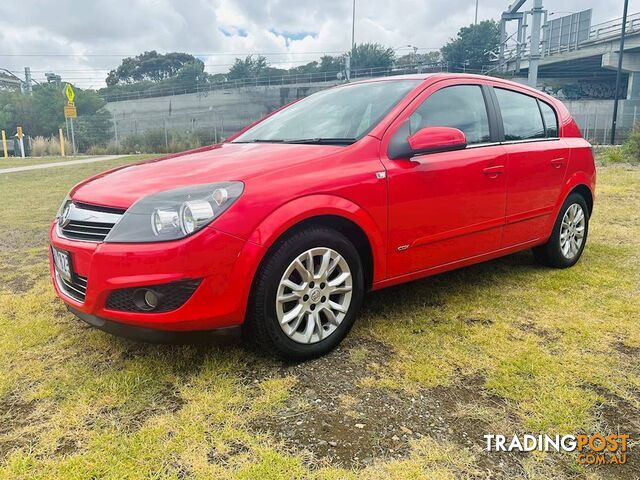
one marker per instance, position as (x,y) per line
(550,119)
(520,115)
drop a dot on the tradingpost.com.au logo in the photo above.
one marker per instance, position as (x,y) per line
(596,449)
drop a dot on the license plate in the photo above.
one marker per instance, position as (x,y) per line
(62,262)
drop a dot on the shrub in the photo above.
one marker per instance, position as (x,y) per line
(632,145)
(39,146)
(97,150)
(613,155)
(154,141)
(53,147)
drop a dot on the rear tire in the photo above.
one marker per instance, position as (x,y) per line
(306,295)
(569,236)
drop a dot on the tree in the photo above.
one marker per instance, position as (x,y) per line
(372,55)
(429,58)
(331,64)
(248,68)
(191,73)
(151,65)
(471,47)
(42,112)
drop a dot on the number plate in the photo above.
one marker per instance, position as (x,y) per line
(62,262)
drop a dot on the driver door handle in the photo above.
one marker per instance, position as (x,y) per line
(493,171)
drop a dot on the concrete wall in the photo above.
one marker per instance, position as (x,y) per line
(225,111)
(594,118)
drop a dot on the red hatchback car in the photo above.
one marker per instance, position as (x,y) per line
(283,228)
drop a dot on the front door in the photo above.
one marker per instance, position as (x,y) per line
(448,206)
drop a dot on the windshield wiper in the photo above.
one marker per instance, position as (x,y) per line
(264,140)
(324,141)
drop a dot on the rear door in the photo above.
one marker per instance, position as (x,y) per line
(537,162)
(447,206)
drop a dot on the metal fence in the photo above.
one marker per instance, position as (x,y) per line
(287,79)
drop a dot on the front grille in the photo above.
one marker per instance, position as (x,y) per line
(171,296)
(76,288)
(92,231)
(89,223)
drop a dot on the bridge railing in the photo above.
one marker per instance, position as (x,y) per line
(613,28)
(600,31)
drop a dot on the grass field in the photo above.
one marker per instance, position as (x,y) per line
(503,347)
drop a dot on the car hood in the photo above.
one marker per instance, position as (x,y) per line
(123,186)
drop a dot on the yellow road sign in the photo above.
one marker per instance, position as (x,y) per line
(70,111)
(68,91)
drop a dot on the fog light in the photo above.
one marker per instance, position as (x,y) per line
(146,299)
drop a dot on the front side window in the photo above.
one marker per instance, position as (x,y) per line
(520,115)
(460,106)
(345,113)
(550,120)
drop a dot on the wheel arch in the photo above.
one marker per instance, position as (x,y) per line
(584,192)
(579,182)
(332,212)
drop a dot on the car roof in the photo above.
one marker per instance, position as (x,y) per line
(433,77)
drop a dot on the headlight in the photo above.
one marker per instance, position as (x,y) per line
(66,203)
(174,214)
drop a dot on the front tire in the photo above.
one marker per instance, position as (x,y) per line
(569,236)
(306,294)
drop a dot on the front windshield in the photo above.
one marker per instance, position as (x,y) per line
(339,115)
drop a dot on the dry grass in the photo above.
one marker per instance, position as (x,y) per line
(502,347)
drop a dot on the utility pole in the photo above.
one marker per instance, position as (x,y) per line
(353,35)
(534,57)
(619,72)
(353,27)
(27,80)
(476,18)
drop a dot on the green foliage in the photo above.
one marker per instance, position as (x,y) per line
(96,129)
(419,58)
(471,47)
(372,55)
(612,155)
(632,146)
(154,141)
(151,66)
(41,114)
(250,67)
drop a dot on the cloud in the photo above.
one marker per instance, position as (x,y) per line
(82,40)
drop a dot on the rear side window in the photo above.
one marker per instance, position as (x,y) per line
(459,106)
(550,119)
(520,115)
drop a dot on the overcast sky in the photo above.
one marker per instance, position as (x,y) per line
(82,39)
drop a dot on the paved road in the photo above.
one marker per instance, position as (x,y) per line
(60,164)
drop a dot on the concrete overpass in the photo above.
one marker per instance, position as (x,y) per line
(594,59)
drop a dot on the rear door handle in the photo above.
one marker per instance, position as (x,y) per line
(557,162)
(493,171)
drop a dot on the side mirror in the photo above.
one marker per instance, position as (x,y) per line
(426,140)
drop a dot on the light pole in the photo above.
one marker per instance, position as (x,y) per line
(619,73)
(353,28)
(475,22)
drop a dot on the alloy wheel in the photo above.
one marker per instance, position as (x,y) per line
(572,231)
(314,295)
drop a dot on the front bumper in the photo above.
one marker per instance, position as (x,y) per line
(225,264)
(150,335)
